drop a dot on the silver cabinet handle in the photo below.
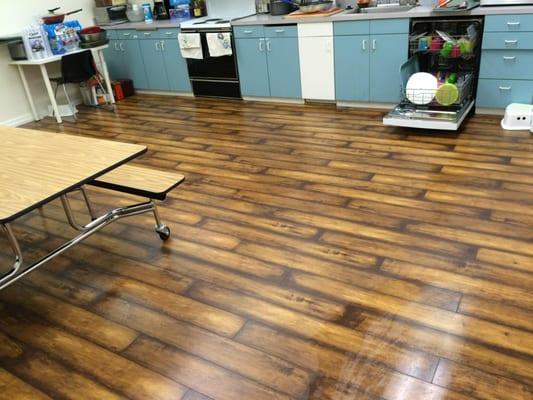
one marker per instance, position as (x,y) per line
(122,46)
(509,58)
(126,34)
(511,41)
(157,46)
(162,45)
(261,45)
(513,23)
(364,45)
(147,33)
(374,44)
(116,46)
(169,33)
(504,87)
(280,30)
(248,32)
(269,46)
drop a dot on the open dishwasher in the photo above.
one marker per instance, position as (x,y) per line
(439,81)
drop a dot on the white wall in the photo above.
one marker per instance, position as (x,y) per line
(14,109)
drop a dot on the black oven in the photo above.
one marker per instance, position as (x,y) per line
(214,76)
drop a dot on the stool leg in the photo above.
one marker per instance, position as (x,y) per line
(160,228)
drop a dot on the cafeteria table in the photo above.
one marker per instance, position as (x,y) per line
(38,167)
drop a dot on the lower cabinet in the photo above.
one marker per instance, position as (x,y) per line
(153,64)
(368,56)
(269,67)
(498,93)
(388,53)
(253,68)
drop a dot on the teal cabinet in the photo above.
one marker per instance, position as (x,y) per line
(152,59)
(352,68)
(388,53)
(284,67)
(498,93)
(253,69)
(114,59)
(367,63)
(176,66)
(269,66)
(154,64)
(506,73)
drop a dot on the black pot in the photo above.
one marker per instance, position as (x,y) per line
(117,13)
(278,7)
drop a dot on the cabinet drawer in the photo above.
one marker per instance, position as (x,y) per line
(511,41)
(170,33)
(147,34)
(281,31)
(112,34)
(125,34)
(496,93)
(251,31)
(347,28)
(507,64)
(389,26)
(509,23)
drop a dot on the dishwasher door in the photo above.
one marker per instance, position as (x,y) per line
(411,116)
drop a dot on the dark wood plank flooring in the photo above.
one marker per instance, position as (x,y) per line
(315,255)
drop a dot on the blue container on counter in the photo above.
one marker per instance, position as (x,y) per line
(148,17)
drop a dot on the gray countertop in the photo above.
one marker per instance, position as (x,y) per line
(169,23)
(416,12)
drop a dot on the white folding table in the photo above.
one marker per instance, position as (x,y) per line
(98,53)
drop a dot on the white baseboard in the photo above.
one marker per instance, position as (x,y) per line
(18,121)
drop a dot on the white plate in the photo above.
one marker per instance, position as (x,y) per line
(421,88)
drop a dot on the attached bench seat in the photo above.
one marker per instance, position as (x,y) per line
(140,181)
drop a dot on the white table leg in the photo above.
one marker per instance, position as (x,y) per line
(28,92)
(50,91)
(105,71)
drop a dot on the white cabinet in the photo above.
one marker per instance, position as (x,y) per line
(317,60)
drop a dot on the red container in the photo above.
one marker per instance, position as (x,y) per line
(436,44)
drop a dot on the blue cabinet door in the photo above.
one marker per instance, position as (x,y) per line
(133,64)
(498,93)
(387,54)
(176,66)
(154,64)
(284,67)
(253,70)
(352,68)
(114,59)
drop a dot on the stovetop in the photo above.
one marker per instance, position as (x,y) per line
(206,23)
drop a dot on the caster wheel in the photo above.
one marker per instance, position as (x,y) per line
(164,233)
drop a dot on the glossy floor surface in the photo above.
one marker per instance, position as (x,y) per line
(315,255)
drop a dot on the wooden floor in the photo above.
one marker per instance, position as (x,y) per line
(315,255)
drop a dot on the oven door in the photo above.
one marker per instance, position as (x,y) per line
(213,68)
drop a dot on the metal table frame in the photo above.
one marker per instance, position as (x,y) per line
(97,223)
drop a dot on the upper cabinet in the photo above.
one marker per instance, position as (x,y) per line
(368,56)
(317,60)
(268,61)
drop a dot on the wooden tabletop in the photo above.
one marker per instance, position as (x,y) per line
(37,167)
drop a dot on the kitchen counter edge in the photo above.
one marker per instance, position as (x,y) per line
(416,12)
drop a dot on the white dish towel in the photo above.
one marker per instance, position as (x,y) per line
(191,45)
(219,44)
